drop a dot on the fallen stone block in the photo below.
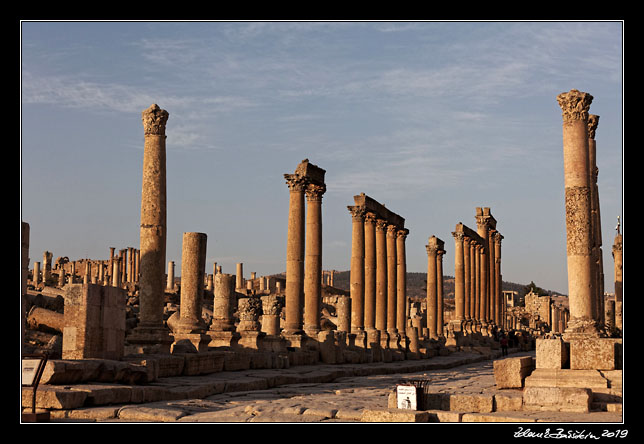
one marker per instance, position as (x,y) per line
(511,372)
(562,399)
(394,415)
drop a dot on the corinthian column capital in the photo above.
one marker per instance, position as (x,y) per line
(574,105)
(314,192)
(154,120)
(357,213)
(295,182)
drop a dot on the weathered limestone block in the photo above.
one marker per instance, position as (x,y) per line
(552,353)
(394,415)
(546,377)
(509,401)
(465,402)
(99,370)
(511,372)
(53,397)
(563,399)
(202,363)
(94,322)
(45,320)
(236,360)
(594,353)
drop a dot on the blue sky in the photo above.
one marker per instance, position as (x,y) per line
(430,118)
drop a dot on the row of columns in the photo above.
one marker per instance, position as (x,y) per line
(378,275)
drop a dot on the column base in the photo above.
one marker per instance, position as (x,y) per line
(189,342)
(149,340)
(223,338)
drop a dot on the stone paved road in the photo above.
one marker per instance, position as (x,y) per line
(345,399)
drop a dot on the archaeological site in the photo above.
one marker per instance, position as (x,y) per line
(124,339)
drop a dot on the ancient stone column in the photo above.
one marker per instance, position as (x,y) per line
(473,281)
(239,283)
(357,273)
(459,276)
(36,273)
(491,277)
(313,259)
(24,271)
(575,105)
(401,280)
(151,334)
(222,329)
(250,310)
(46,266)
(381,276)
(596,235)
(478,290)
(295,255)
(116,273)
(482,230)
(617,257)
(191,325)
(467,277)
(432,297)
(392,274)
(440,308)
(370,272)
(498,289)
(343,310)
(170,281)
(271,308)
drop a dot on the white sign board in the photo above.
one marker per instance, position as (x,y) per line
(406,397)
(29,369)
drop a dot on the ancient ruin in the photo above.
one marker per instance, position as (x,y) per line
(131,325)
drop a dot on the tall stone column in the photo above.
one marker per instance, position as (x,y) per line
(294,299)
(617,257)
(467,277)
(491,277)
(170,283)
(392,275)
(313,259)
(482,227)
(191,325)
(479,288)
(596,234)
(575,105)
(239,277)
(357,274)
(440,307)
(459,276)
(370,281)
(473,281)
(432,297)
(401,280)
(498,289)
(36,274)
(151,335)
(381,276)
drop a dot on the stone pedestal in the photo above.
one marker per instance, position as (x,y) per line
(552,353)
(250,309)
(94,322)
(222,328)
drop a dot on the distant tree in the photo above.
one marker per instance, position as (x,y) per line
(532,287)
